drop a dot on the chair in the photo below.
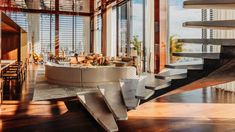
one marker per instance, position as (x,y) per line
(13,72)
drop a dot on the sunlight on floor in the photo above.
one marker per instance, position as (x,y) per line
(204,111)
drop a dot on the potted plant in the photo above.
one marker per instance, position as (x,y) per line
(175,46)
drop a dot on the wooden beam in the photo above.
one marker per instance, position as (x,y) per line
(57,21)
(16,9)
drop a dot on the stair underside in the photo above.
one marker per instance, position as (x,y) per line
(224,42)
(220,75)
(172,74)
(199,55)
(193,65)
(221,24)
(113,98)
(96,106)
(209,4)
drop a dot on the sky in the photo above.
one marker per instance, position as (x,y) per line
(177,16)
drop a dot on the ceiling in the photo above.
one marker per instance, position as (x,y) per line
(64,5)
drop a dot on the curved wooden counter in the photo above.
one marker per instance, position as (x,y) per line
(72,75)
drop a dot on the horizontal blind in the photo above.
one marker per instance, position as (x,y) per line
(47,33)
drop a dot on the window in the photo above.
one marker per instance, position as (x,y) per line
(20,18)
(47,33)
(177,16)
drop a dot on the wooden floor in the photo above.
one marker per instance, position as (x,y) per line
(202,110)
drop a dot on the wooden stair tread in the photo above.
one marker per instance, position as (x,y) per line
(96,106)
(219,24)
(172,74)
(209,4)
(128,88)
(225,42)
(142,92)
(113,98)
(199,55)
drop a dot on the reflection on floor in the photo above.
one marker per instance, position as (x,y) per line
(202,110)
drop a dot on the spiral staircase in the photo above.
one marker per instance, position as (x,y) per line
(110,102)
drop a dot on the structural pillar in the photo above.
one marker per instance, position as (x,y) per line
(57,45)
(104,28)
(161,34)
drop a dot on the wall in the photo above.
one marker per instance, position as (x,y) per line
(10,43)
(24,46)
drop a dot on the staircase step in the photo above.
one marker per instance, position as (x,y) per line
(113,98)
(193,65)
(209,4)
(199,55)
(128,88)
(96,106)
(172,74)
(156,84)
(221,24)
(143,93)
(225,42)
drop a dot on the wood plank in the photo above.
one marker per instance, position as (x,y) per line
(128,88)
(142,92)
(113,97)
(96,106)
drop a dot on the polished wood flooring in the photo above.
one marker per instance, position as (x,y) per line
(202,110)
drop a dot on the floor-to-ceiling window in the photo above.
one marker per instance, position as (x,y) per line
(123,29)
(177,16)
(131,18)
(72,36)
(47,33)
